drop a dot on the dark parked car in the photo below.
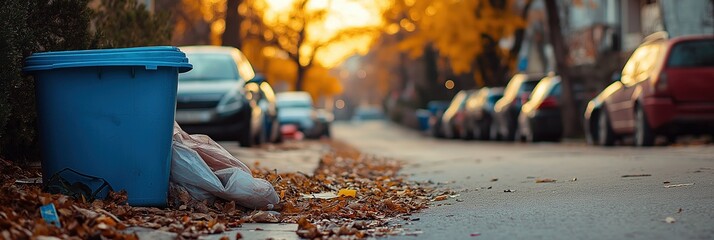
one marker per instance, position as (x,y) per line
(262,93)
(436,110)
(479,112)
(541,117)
(666,88)
(296,109)
(452,122)
(508,108)
(212,97)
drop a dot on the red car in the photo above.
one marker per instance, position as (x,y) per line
(666,88)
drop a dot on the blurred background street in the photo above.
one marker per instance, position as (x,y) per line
(538,119)
(590,198)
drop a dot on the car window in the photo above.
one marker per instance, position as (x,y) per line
(541,89)
(494,98)
(647,62)
(556,90)
(513,87)
(629,72)
(267,91)
(474,99)
(253,90)
(458,99)
(528,86)
(210,67)
(463,101)
(244,67)
(456,103)
(698,53)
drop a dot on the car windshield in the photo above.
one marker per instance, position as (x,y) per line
(494,98)
(528,86)
(210,67)
(698,53)
(556,90)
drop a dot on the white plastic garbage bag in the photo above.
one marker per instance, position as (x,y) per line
(192,172)
(211,152)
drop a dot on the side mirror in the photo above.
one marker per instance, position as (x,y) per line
(616,77)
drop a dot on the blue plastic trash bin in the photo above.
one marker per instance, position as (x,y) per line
(109,114)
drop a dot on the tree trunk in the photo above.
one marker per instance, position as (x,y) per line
(231,35)
(302,36)
(570,116)
(433,89)
(300,77)
(519,35)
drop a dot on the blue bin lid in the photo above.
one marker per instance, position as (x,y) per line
(148,57)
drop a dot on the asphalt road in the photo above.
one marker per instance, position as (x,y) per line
(589,200)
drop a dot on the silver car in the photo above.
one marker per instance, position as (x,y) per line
(295,108)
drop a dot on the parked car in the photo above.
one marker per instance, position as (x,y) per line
(436,110)
(452,122)
(479,112)
(366,113)
(323,123)
(508,108)
(212,98)
(541,116)
(666,88)
(260,91)
(296,109)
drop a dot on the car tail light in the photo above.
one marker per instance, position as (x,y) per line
(459,116)
(549,102)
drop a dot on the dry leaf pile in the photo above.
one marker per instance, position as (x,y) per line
(381,195)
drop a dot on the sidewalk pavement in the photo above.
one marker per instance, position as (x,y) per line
(247,231)
(289,157)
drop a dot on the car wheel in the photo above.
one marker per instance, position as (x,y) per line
(485,128)
(493,133)
(671,138)
(518,136)
(326,131)
(605,135)
(448,131)
(276,135)
(465,133)
(555,139)
(260,137)
(510,134)
(644,136)
(244,137)
(476,131)
(529,136)
(590,128)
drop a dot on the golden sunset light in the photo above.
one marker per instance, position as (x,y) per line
(340,15)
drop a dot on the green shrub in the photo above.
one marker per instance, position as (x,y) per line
(28,26)
(125,23)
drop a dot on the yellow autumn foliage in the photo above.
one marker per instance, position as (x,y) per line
(459,30)
(279,69)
